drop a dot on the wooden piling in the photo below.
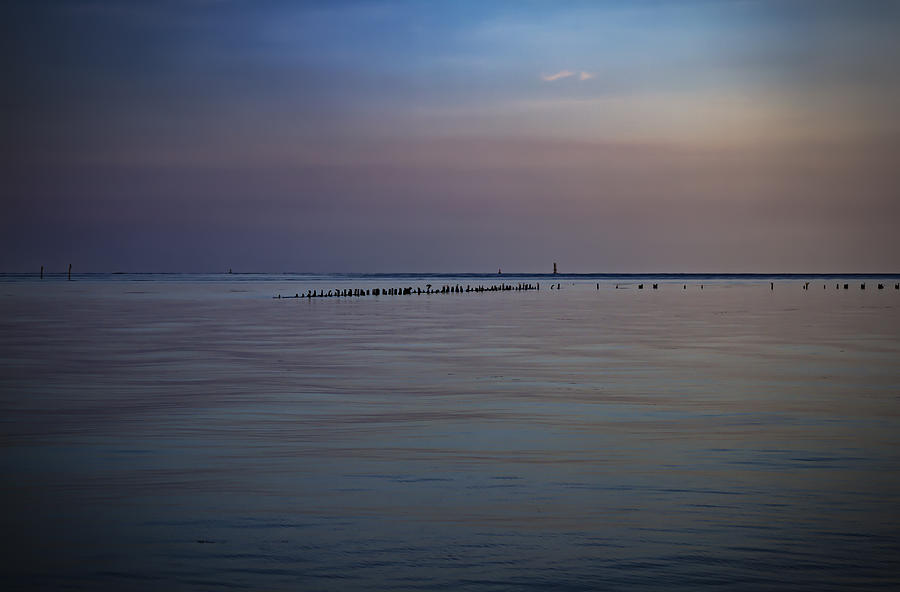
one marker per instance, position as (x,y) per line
(42,272)
(70,272)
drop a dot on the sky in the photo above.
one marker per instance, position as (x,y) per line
(392,136)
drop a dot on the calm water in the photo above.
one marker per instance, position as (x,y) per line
(192,433)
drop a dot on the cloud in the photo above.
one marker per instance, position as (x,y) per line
(566,74)
(558,75)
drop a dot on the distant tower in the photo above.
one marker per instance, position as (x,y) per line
(499,272)
(554,267)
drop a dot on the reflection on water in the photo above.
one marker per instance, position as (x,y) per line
(200,435)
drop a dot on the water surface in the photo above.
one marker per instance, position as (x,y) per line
(192,433)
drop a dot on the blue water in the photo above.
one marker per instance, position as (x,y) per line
(186,432)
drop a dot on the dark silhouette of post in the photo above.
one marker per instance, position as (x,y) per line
(554,267)
(42,272)
(70,272)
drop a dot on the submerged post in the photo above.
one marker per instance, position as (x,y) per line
(70,272)
(42,272)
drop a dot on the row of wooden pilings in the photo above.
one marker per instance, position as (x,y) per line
(459,289)
(409,290)
(862,286)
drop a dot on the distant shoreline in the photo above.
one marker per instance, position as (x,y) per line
(279,276)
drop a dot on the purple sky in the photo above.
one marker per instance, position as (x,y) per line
(396,136)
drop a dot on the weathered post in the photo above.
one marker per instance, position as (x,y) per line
(42,272)
(70,272)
